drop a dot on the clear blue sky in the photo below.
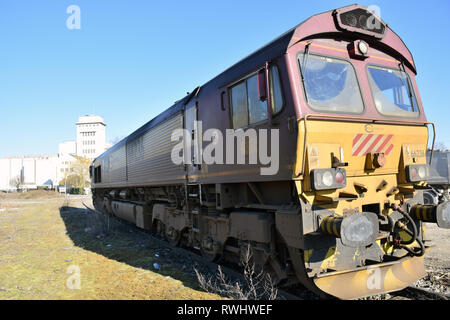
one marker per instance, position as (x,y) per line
(132,59)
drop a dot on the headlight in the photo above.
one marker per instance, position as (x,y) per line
(363,47)
(417,172)
(357,230)
(325,179)
(422,172)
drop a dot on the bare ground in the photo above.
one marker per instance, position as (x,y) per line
(44,239)
(32,194)
(437,260)
(44,245)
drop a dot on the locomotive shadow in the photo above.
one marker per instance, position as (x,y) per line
(124,242)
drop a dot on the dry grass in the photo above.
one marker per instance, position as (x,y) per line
(32,194)
(39,242)
(255,285)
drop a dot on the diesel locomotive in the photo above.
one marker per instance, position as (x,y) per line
(329,196)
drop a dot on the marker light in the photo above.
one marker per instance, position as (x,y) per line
(363,47)
(339,177)
(326,179)
(422,172)
(417,172)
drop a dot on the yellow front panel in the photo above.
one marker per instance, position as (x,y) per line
(351,142)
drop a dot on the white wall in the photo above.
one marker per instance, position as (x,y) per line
(47,170)
(29,172)
(43,169)
(35,170)
(4,174)
(64,165)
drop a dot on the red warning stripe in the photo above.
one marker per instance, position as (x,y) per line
(366,143)
(356,138)
(374,144)
(363,144)
(384,143)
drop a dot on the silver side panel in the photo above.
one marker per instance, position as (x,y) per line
(145,160)
(117,166)
(149,156)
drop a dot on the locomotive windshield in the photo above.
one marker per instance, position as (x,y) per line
(392,92)
(330,84)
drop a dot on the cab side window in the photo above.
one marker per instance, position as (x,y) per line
(276,95)
(98,174)
(239,105)
(246,106)
(257,109)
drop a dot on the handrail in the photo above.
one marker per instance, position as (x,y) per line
(434,138)
(373,120)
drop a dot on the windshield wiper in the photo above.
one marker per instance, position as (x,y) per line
(410,94)
(305,60)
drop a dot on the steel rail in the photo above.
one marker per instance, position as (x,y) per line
(417,293)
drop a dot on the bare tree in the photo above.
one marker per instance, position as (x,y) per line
(78,174)
(255,285)
(440,146)
(81,168)
(16,182)
(116,139)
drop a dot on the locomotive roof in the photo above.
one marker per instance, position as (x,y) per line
(270,50)
(273,49)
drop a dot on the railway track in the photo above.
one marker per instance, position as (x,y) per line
(416,293)
(409,293)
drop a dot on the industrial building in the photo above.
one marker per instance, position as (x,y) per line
(31,171)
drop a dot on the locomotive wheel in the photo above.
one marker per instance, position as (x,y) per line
(159,229)
(173,237)
(104,209)
(430,197)
(209,256)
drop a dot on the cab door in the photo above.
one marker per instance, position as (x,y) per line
(193,143)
